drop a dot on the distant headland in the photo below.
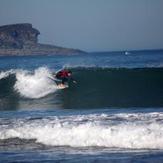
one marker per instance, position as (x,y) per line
(22,39)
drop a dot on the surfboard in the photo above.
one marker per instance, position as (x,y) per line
(59,83)
(62,86)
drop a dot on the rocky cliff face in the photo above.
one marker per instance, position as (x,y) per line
(18,36)
(22,39)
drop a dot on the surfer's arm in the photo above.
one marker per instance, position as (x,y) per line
(73,80)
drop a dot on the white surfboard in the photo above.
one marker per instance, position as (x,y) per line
(59,84)
(62,86)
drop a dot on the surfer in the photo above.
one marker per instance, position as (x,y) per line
(65,75)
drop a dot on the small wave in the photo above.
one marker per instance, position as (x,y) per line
(101,130)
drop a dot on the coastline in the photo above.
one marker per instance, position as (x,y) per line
(40,49)
(22,40)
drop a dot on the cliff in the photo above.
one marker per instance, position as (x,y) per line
(22,39)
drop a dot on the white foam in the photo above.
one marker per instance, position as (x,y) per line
(91,130)
(5,74)
(35,85)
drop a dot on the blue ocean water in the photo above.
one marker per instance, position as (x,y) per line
(113,114)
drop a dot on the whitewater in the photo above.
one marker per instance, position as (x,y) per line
(132,131)
(35,84)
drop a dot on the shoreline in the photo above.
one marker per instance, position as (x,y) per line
(40,49)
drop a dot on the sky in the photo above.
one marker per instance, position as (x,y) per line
(90,25)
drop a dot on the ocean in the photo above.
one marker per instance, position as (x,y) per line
(113,114)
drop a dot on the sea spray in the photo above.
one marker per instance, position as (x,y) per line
(35,85)
(4,74)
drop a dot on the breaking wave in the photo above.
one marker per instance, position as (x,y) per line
(28,84)
(35,85)
(135,131)
(96,87)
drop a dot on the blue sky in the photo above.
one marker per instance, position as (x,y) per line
(91,25)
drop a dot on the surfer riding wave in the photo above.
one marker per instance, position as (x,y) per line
(65,76)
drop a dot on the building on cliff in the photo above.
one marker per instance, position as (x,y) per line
(22,39)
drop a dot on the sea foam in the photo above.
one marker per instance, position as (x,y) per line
(99,130)
(35,85)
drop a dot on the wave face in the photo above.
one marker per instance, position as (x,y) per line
(96,87)
(117,87)
(133,131)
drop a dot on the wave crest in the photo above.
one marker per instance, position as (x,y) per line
(35,85)
(29,84)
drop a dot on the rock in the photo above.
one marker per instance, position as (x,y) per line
(18,36)
(22,39)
